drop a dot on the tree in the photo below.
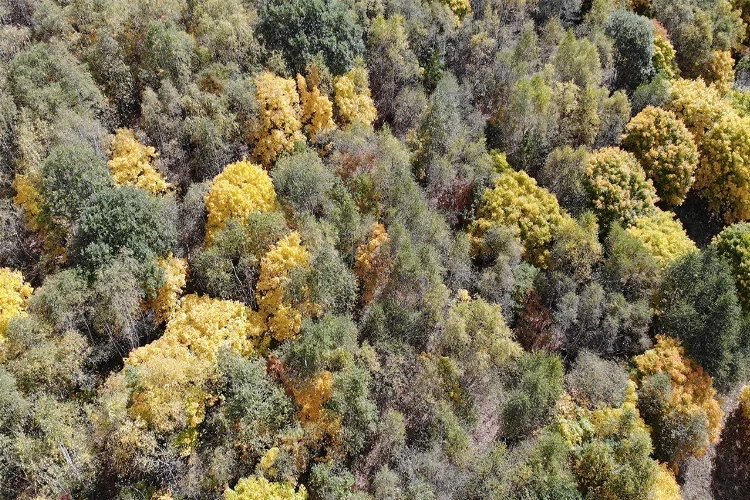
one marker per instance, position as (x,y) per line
(697,105)
(132,164)
(697,303)
(664,53)
(595,382)
(516,201)
(166,303)
(665,150)
(259,487)
(278,127)
(633,38)
(563,174)
(14,292)
(373,263)
(70,175)
(316,108)
(724,174)
(352,98)
(240,189)
(662,235)
(731,474)
(282,318)
(733,243)
(303,29)
(677,400)
(617,187)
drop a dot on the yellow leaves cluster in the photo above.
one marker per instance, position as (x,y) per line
(14,292)
(461,8)
(692,388)
(278,127)
(283,320)
(618,186)
(352,97)
(745,402)
(170,391)
(720,71)
(317,109)
(664,52)
(175,276)
(373,263)
(665,486)
(257,488)
(663,236)
(724,171)
(666,151)
(312,395)
(239,190)
(28,197)
(132,164)
(698,105)
(518,202)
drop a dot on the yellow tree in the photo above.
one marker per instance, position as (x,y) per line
(677,400)
(518,202)
(666,151)
(164,387)
(282,318)
(14,292)
(723,175)
(617,186)
(166,303)
(373,263)
(257,488)
(662,235)
(317,109)
(664,53)
(28,198)
(278,127)
(720,71)
(698,105)
(352,97)
(132,163)
(239,190)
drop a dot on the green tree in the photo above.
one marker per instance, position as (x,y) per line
(633,38)
(302,29)
(124,219)
(697,303)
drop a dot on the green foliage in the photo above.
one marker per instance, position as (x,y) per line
(697,303)
(301,30)
(535,391)
(124,219)
(633,39)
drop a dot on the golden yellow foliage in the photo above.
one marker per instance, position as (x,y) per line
(518,202)
(618,187)
(745,402)
(239,190)
(175,276)
(373,263)
(317,109)
(28,197)
(259,488)
(665,486)
(461,8)
(132,163)
(14,292)
(283,320)
(664,53)
(278,127)
(723,175)
(312,395)
(666,151)
(692,389)
(720,72)
(170,393)
(698,105)
(663,236)
(352,97)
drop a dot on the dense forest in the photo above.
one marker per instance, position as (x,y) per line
(375,249)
